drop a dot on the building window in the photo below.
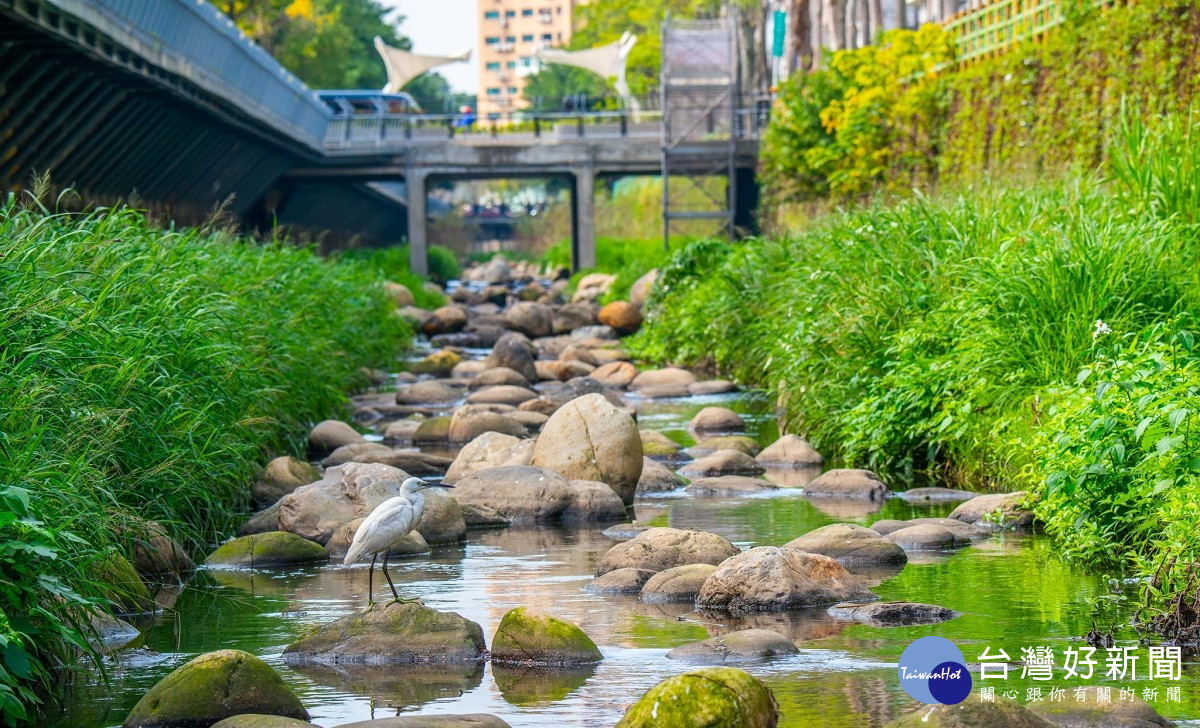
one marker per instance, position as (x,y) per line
(513,90)
(492,15)
(547,37)
(527,13)
(527,62)
(493,66)
(492,40)
(493,92)
(511,39)
(527,38)
(510,13)
(512,64)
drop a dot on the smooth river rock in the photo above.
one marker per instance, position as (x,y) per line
(711,696)
(514,351)
(670,376)
(717,419)
(274,548)
(850,545)
(619,581)
(658,549)
(329,435)
(657,478)
(769,579)
(727,485)
(746,645)
(657,445)
(590,439)
(995,510)
(848,484)
(677,584)
(532,638)
(722,462)
(891,614)
(315,511)
(614,375)
(280,477)
(471,421)
(391,634)
(790,451)
(531,494)
(212,687)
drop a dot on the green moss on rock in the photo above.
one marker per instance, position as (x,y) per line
(532,638)
(711,696)
(257,720)
(434,429)
(212,687)
(439,363)
(274,548)
(395,633)
(122,585)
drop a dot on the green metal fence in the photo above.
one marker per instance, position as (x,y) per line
(997,26)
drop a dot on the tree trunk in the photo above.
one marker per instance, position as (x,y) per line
(876,19)
(852,21)
(835,19)
(800,31)
(901,14)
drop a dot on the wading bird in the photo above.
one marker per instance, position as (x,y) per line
(385,527)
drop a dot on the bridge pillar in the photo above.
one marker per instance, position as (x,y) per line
(583,219)
(418,247)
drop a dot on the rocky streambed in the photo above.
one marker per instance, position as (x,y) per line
(612,527)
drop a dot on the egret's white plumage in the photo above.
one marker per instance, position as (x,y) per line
(386,526)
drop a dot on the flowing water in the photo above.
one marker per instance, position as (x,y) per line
(1012,592)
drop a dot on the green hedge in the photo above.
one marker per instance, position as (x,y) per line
(145,375)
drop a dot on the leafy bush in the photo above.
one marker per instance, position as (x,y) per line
(443,264)
(146,375)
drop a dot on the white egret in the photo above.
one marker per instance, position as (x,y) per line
(386,526)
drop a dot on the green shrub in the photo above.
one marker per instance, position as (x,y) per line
(627,259)
(146,375)
(443,264)
(392,262)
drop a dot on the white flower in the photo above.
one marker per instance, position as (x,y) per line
(1101,329)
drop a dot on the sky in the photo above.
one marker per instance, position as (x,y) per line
(443,27)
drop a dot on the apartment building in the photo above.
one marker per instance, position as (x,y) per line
(510,33)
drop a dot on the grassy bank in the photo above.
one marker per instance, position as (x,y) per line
(144,376)
(1024,337)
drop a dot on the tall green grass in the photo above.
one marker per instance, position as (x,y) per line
(627,259)
(144,376)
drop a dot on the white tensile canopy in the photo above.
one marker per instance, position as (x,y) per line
(403,66)
(606,60)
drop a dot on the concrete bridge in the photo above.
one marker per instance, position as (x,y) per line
(168,104)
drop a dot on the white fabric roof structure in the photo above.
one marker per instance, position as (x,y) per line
(403,66)
(606,60)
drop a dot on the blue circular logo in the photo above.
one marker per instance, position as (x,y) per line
(932,670)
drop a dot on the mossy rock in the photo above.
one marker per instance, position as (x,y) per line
(121,585)
(258,720)
(390,634)
(439,363)
(658,445)
(741,443)
(212,687)
(434,429)
(274,548)
(972,714)
(711,696)
(532,638)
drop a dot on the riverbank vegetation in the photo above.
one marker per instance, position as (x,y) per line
(144,375)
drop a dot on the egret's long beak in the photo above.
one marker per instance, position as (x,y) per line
(440,485)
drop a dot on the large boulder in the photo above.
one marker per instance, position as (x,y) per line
(391,634)
(746,645)
(265,520)
(963,532)
(432,430)
(722,462)
(711,386)
(769,579)
(619,581)
(411,461)
(921,496)
(445,320)
(709,445)
(657,445)
(470,421)
(280,477)
(670,376)
(274,548)
(710,697)
(531,319)
(439,363)
(848,484)
(593,501)
(339,544)
(442,521)
(850,545)
(155,554)
(717,419)
(789,451)
(518,493)
(995,510)
(590,439)
(615,374)
(891,614)
(972,714)
(531,638)
(657,478)
(212,687)
(349,491)
(329,435)
(727,485)
(399,293)
(677,584)
(349,453)
(924,537)
(1092,712)
(658,549)
(489,450)
(514,351)
(622,316)
(641,288)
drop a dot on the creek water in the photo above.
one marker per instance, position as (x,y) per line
(1012,591)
